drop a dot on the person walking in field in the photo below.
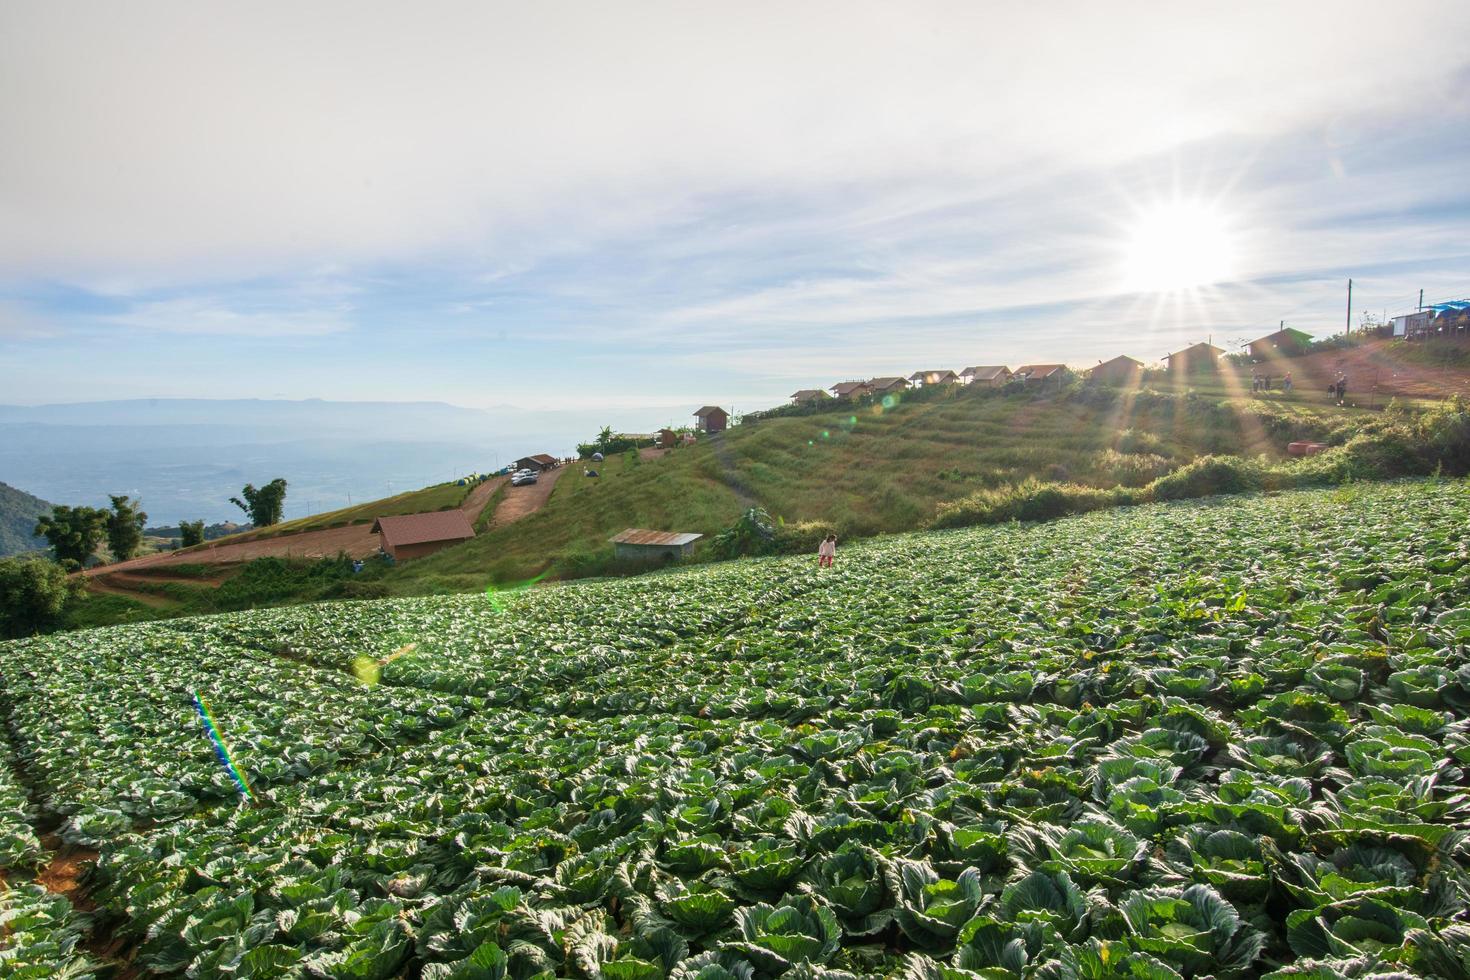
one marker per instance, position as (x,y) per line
(1341,387)
(1286,382)
(826,551)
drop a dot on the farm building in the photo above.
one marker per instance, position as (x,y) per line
(921,378)
(1043,373)
(991,375)
(1120,370)
(1195,359)
(851,390)
(809,396)
(1414,325)
(712,418)
(887,386)
(539,462)
(638,543)
(416,535)
(1286,342)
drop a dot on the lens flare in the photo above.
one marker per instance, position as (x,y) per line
(221,750)
(494,594)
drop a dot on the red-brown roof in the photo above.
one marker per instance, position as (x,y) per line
(985,372)
(544,458)
(710,410)
(638,535)
(1040,370)
(441,525)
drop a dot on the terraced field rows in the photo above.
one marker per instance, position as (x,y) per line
(1219,739)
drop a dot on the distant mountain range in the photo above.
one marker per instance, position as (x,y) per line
(184,458)
(18,513)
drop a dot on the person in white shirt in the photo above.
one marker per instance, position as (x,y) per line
(826,551)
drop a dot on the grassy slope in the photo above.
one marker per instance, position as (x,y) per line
(442,496)
(867,473)
(18,513)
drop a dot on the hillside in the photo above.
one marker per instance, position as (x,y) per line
(1209,738)
(876,470)
(18,513)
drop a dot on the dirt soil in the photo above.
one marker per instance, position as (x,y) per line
(520,502)
(1369,366)
(355,540)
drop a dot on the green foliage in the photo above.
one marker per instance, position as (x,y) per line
(125,523)
(753,534)
(1176,741)
(265,505)
(74,533)
(19,512)
(33,596)
(191,533)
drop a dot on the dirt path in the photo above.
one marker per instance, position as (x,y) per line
(107,587)
(520,502)
(355,540)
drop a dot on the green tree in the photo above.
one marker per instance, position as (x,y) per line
(605,438)
(191,533)
(125,523)
(33,595)
(73,532)
(265,505)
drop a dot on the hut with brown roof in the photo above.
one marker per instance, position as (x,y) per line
(851,390)
(809,396)
(711,418)
(1042,373)
(919,379)
(1120,370)
(416,535)
(641,544)
(1195,359)
(887,386)
(989,375)
(1286,342)
(539,462)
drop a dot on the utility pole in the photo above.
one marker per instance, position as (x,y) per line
(1350,307)
(1421,301)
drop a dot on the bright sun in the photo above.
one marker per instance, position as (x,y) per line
(1178,246)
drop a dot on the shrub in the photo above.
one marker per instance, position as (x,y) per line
(753,534)
(33,594)
(1208,476)
(1032,500)
(801,537)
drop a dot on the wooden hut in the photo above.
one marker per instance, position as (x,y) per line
(640,544)
(416,535)
(712,418)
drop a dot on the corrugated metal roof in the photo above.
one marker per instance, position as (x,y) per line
(440,525)
(638,535)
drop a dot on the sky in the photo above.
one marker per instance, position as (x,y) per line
(639,208)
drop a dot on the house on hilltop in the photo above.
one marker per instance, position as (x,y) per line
(1043,373)
(540,462)
(1119,370)
(887,386)
(851,390)
(920,379)
(416,535)
(990,375)
(712,419)
(809,396)
(1286,342)
(1196,359)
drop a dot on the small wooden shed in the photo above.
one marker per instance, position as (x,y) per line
(642,544)
(809,396)
(1041,373)
(711,418)
(921,378)
(1117,371)
(989,375)
(1286,342)
(416,535)
(851,390)
(1196,359)
(539,462)
(887,386)
(667,438)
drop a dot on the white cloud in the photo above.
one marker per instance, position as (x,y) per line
(174,139)
(212,317)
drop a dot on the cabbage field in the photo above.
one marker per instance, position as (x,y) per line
(1227,738)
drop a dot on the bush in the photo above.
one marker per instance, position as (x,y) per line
(801,537)
(1206,477)
(753,534)
(1031,500)
(33,595)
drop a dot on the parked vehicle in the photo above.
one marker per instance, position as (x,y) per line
(523,478)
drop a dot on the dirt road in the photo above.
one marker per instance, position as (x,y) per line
(520,502)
